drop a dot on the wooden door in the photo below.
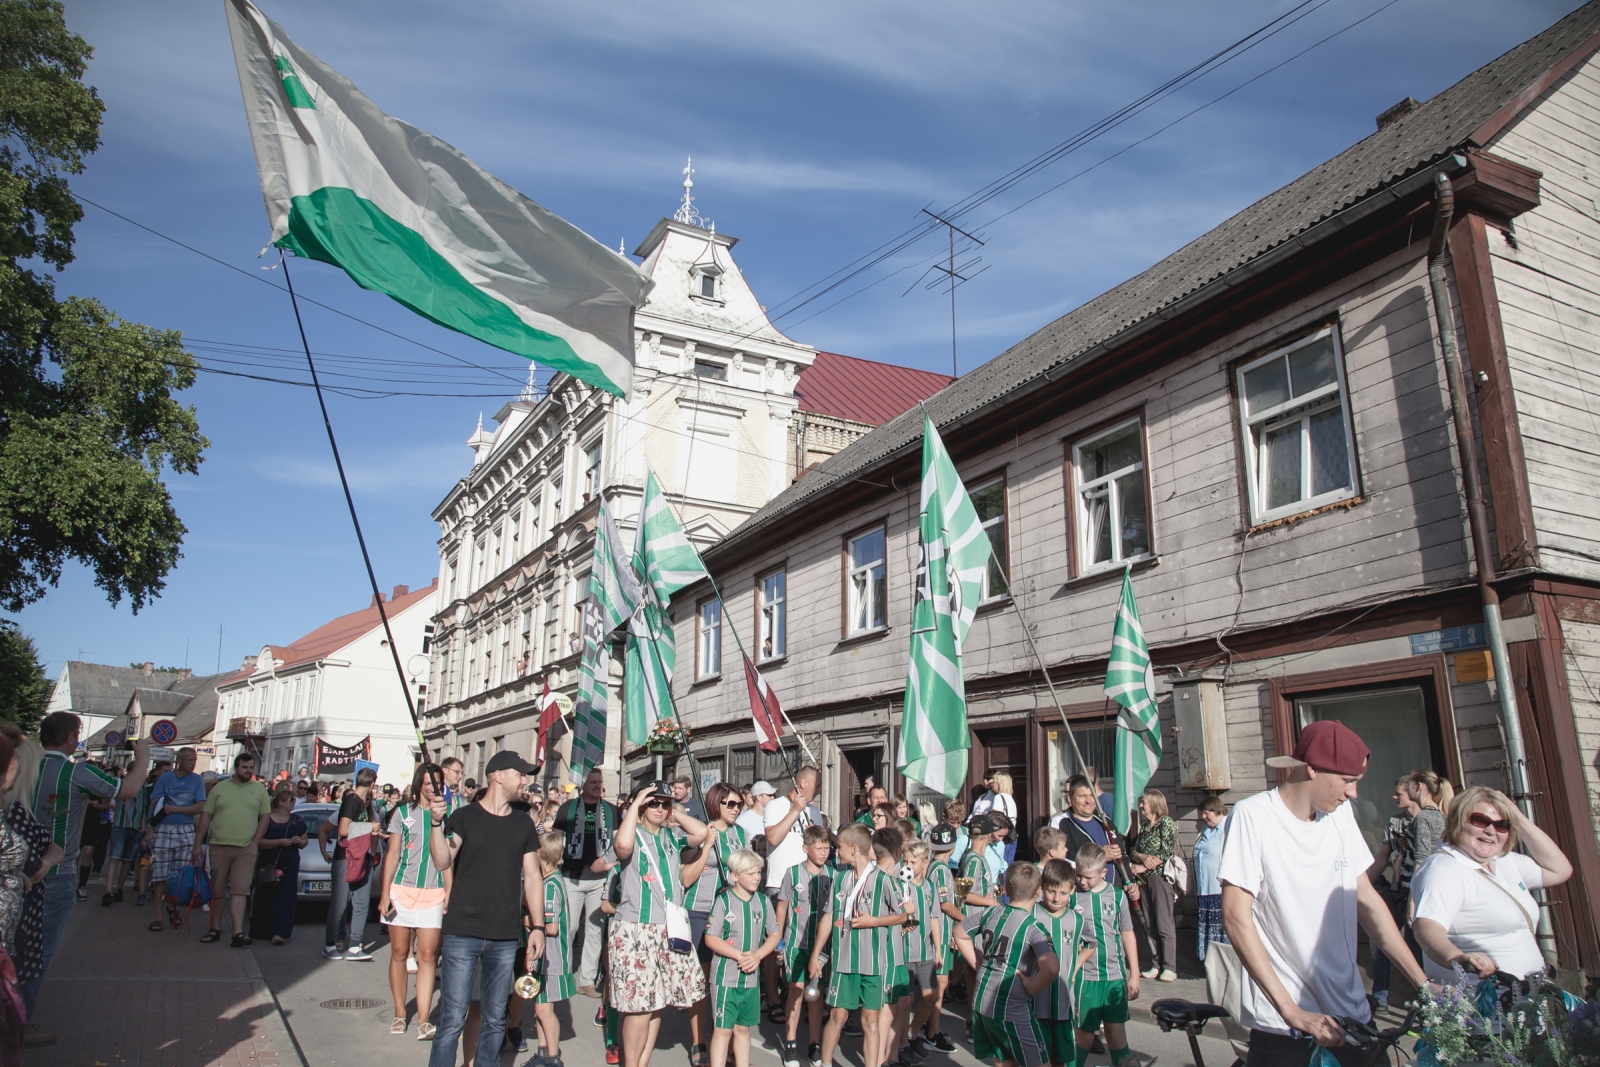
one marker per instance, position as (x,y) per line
(1006,749)
(858,765)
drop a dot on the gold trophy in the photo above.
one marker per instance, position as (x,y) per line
(963,887)
(526,987)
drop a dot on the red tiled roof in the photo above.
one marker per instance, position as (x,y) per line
(862,389)
(334,635)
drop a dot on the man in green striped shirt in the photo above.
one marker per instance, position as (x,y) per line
(1018,961)
(741,932)
(865,903)
(1106,981)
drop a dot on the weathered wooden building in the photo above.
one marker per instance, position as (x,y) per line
(1259,426)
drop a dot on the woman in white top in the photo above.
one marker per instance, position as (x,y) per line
(1473,901)
(999,798)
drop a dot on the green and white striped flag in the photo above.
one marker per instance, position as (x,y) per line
(1132,684)
(953,557)
(667,561)
(405,214)
(613,594)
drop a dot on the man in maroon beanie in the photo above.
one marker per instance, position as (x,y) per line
(1293,890)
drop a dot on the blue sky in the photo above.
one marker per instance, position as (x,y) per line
(819,129)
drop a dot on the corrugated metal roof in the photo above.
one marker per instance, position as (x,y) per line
(1434,130)
(864,390)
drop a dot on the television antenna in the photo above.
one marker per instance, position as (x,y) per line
(952,275)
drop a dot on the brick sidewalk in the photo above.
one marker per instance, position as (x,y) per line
(117,994)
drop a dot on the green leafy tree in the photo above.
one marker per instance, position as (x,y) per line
(158,670)
(87,416)
(24,690)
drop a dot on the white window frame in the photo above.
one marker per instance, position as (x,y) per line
(1300,409)
(482,559)
(776,624)
(708,639)
(987,596)
(855,605)
(593,455)
(1082,486)
(712,364)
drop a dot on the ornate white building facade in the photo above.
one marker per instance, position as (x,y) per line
(712,413)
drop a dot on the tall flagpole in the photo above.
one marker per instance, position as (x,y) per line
(372,577)
(740,643)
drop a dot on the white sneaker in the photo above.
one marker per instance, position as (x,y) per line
(411,965)
(357,954)
(1169,976)
(1151,972)
(332,952)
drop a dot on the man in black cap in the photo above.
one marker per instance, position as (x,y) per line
(494,850)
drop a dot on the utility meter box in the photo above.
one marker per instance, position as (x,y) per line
(1200,725)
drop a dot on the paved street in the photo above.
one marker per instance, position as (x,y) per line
(120,995)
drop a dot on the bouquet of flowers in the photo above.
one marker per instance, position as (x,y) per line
(667,736)
(1532,1024)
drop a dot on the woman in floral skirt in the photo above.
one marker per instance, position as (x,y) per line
(645,974)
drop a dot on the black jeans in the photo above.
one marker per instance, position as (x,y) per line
(1275,1050)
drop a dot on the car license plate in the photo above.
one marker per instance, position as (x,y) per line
(318,887)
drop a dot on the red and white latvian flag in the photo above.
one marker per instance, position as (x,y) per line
(549,715)
(764,709)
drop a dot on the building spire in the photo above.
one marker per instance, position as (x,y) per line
(686,213)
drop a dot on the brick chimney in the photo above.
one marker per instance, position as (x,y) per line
(399,591)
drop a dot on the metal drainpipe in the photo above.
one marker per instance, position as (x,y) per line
(1478,523)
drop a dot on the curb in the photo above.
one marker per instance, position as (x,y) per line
(273,1020)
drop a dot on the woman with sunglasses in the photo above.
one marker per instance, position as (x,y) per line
(1473,901)
(724,837)
(644,974)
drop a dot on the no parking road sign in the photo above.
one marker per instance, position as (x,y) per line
(163,731)
(113,739)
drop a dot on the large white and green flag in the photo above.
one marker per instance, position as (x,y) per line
(403,213)
(1132,684)
(953,557)
(613,594)
(667,561)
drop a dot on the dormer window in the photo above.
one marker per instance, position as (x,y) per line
(705,281)
(705,368)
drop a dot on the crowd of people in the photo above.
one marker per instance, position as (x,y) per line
(748,905)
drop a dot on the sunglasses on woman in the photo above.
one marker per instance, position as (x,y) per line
(1483,822)
(734,804)
(662,805)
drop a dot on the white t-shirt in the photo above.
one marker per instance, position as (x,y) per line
(753,822)
(1481,910)
(792,849)
(1304,877)
(992,801)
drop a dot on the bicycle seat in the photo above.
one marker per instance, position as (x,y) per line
(1185,1013)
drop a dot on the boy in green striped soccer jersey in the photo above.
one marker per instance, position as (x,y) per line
(740,932)
(941,842)
(803,897)
(865,904)
(925,948)
(887,846)
(1053,1006)
(556,983)
(983,894)
(1018,961)
(1105,981)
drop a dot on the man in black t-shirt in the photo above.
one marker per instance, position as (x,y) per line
(589,823)
(494,850)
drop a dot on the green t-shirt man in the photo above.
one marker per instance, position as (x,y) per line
(236,811)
